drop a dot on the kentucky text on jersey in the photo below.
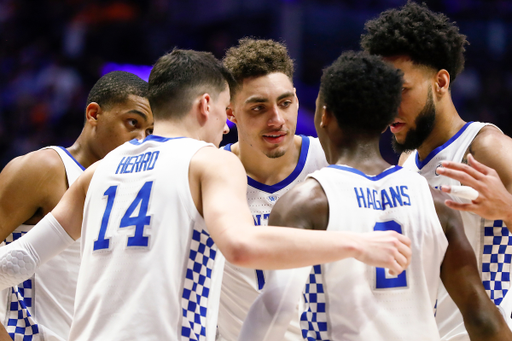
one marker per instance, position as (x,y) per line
(257,218)
(138,163)
(370,198)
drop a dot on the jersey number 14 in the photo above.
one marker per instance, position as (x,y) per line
(139,221)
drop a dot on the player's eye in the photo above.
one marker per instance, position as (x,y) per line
(286,104)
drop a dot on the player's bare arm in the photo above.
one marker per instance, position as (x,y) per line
(492,148)
(54,233)
(305,206)
(69,211)
(30,187)
(222,184)
(460,276)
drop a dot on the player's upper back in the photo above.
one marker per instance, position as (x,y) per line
(143,241)
(365,303)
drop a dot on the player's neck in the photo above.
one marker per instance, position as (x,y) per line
(268,171)
(448,123)
(363,155)
(82,152)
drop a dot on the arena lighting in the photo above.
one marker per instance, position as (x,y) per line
(305,124)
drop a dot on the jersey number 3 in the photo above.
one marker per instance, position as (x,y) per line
(382,281)
(139,221)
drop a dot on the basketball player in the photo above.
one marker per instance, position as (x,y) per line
(429,49)
(359,95)
(264,107)
(152,210)
(30,187)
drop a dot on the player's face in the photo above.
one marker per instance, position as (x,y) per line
(265,112)
(218,117)
(417,112)
(123,122)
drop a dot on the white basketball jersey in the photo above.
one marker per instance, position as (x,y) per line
(41,308)
(149,269)
(241,286)
(349,300)
(490,239)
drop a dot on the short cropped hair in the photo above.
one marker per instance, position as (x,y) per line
(255,58)
(178,77)
(428,38)
(362,91)
(115,87)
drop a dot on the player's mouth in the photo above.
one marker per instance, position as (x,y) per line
(275,137)
(396,126)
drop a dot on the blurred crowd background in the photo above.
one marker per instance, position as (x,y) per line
(53,51)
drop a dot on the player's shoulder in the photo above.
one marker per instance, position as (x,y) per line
(214,159)
(488,137)
(41,162)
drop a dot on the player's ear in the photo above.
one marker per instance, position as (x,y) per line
(203,106)
(229,112)
(296,98)
(442,82)
(326,117)
(92,112)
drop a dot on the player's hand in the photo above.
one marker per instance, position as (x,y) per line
(493,202)
(385,249)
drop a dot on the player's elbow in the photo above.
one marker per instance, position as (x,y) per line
(237,251)
(484,322)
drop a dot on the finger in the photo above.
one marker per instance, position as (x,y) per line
(478,165)
(446,189)
(403,239)
(402,260)
(459,207)
(462,177)
(405,251)
(462,168)
(395,269)
(464,192)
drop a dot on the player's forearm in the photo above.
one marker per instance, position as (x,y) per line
(268,247)
(20,259)
(485,323)
(271,313)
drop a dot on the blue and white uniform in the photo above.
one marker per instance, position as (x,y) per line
(490,239)
(241,286)
(41,308)
(349,300)
(150,270)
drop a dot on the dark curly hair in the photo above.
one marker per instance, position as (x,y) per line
(178,77)
(362,91)
(428,38)
(257,57)
(115,87)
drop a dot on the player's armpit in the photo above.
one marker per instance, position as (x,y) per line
(30,186)
(460,276)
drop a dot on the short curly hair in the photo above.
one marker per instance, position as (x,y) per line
(428,38)
(257,57)
(362,91)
